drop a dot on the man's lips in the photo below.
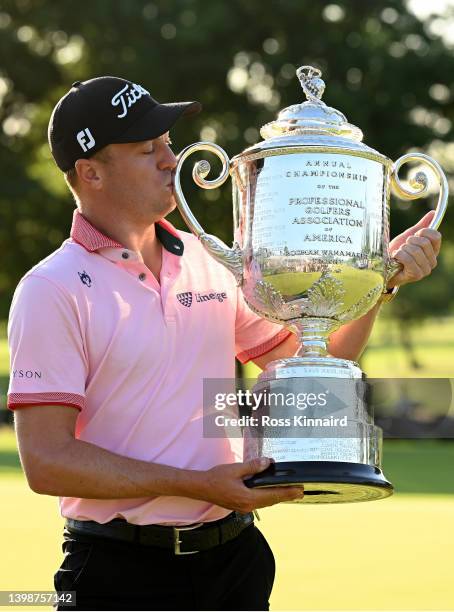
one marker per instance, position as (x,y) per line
(170,184)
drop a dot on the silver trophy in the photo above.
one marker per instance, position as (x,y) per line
(310,251)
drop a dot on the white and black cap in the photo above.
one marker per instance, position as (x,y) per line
(108,110)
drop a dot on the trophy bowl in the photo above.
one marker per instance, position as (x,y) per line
(310,251)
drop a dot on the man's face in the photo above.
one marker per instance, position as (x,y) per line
(138,178)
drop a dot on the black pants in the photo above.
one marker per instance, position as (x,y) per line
(113,575)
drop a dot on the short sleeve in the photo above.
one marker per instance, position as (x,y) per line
(47,358)
(254,335)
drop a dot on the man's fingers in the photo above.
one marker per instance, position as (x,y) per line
(411,271)
(433,235)
(249,468)
(422,223)
(419,257)
(269,496)
(426,245)
(418,254)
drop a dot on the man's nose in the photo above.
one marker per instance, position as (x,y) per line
(169,159)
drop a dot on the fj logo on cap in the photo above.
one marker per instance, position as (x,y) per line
(85,139)
(128,96)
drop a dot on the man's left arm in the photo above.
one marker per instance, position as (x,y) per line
(416,249)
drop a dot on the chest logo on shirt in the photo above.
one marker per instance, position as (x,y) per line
(85,278)
(185,298)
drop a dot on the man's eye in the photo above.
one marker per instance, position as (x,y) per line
(148,152)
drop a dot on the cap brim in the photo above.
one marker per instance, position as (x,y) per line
(157,121)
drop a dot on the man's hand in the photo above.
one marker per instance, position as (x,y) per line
(56,463)
(223,485)
(416,249)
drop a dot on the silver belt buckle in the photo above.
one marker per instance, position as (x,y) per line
(177,541)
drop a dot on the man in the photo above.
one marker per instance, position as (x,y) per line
(108,413)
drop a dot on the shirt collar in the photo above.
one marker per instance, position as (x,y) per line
(85,234)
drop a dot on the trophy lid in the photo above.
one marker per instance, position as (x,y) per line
(313,116)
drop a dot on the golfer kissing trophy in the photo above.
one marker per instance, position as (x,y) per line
(310,251)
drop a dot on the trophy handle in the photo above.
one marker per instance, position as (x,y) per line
(419,187)
(231,258)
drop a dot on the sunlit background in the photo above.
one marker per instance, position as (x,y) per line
(389,67)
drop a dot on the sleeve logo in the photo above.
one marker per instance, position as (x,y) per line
(27,374)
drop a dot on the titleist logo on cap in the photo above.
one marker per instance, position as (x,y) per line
(127,96)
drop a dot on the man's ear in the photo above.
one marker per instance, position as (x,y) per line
(89,173)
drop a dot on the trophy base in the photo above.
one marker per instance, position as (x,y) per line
(326,482)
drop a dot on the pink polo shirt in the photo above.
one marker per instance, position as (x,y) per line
(90,327)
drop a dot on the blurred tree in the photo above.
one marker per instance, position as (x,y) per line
(388,72)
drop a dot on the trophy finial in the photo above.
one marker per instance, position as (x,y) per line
(313,86)
(311,116)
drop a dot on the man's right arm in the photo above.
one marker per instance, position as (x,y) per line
(57,463)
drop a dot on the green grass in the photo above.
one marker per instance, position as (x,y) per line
(420,466)
(434,349)
(9,458)
(384,356)
(393,554)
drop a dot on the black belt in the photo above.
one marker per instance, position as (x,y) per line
(184,540)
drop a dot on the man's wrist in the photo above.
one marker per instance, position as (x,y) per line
(191,484)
